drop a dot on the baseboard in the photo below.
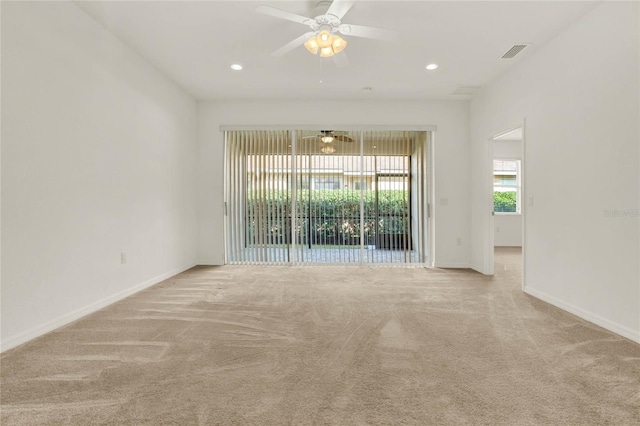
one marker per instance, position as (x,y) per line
(457,265)
(209,263)
(65,319)
(586,315)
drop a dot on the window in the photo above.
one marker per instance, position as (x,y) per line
(364,186)
(506,186)
(327,182)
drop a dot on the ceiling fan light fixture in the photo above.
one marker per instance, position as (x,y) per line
(312,45)
(325,44)
(327,139)
(338,44)
(327,149)
(324,38)
(326,52)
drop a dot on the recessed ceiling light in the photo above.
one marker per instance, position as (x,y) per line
(432,67)
(236,67)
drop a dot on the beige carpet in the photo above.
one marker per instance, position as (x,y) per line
(326,345)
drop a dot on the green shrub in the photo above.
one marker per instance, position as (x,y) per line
(504,202)
(333,214)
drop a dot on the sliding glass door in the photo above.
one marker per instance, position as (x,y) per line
(317,197)
(328,201)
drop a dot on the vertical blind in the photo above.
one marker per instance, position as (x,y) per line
(359,197)
(258,194)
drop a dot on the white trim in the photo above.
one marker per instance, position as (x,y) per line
(614,327)
(361,218)
(65,319)
(225,196)
(457,265)
(489,231)
(497,136)
(523,199)
(431,197)
(209,262)
(315,127)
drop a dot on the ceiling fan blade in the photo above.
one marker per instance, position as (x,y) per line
(272,11)
(292,44)
(311,137)
(339,8)
(342,138)
(368,32)
(341,59)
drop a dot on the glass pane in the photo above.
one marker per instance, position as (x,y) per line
(504,200)
(505,179)
(505,166)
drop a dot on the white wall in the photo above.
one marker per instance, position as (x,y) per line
(507,227)
(579,95)
(508,230)
(511,150)
(98,157)
(451,153)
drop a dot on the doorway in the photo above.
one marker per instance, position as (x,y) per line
(508,200)
(326,196)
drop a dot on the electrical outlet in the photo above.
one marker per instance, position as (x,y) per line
(459,241)
(123,258)
(497,229)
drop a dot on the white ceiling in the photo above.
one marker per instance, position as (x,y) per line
(195,42)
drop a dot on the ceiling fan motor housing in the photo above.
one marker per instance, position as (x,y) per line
(324,22)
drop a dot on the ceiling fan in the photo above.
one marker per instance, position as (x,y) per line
(323,39)
(328,136)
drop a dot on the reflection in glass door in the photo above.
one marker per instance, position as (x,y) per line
(328,213)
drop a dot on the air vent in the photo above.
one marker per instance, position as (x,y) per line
(517,48)
(466,90)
